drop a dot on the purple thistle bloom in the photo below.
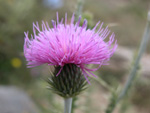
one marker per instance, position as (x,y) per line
(69,44)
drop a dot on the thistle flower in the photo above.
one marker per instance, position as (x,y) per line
(66,44)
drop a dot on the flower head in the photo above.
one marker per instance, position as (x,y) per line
(69,44)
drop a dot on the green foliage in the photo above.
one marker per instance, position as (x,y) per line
(125,104)
(140,95)
(74,106)
(89,17)
(112,102)
(45,100)
(16,16)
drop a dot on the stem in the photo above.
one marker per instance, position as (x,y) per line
(142,48)
(132,74)
(68,105)
(103,83)
(79,8)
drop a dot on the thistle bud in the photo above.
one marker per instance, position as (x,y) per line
(70,81)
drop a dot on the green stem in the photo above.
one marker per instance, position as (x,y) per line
(103,83)
(68,105)
(142,48)
(79,8)
(132,74)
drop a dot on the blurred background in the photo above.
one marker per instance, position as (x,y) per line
(23,90)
